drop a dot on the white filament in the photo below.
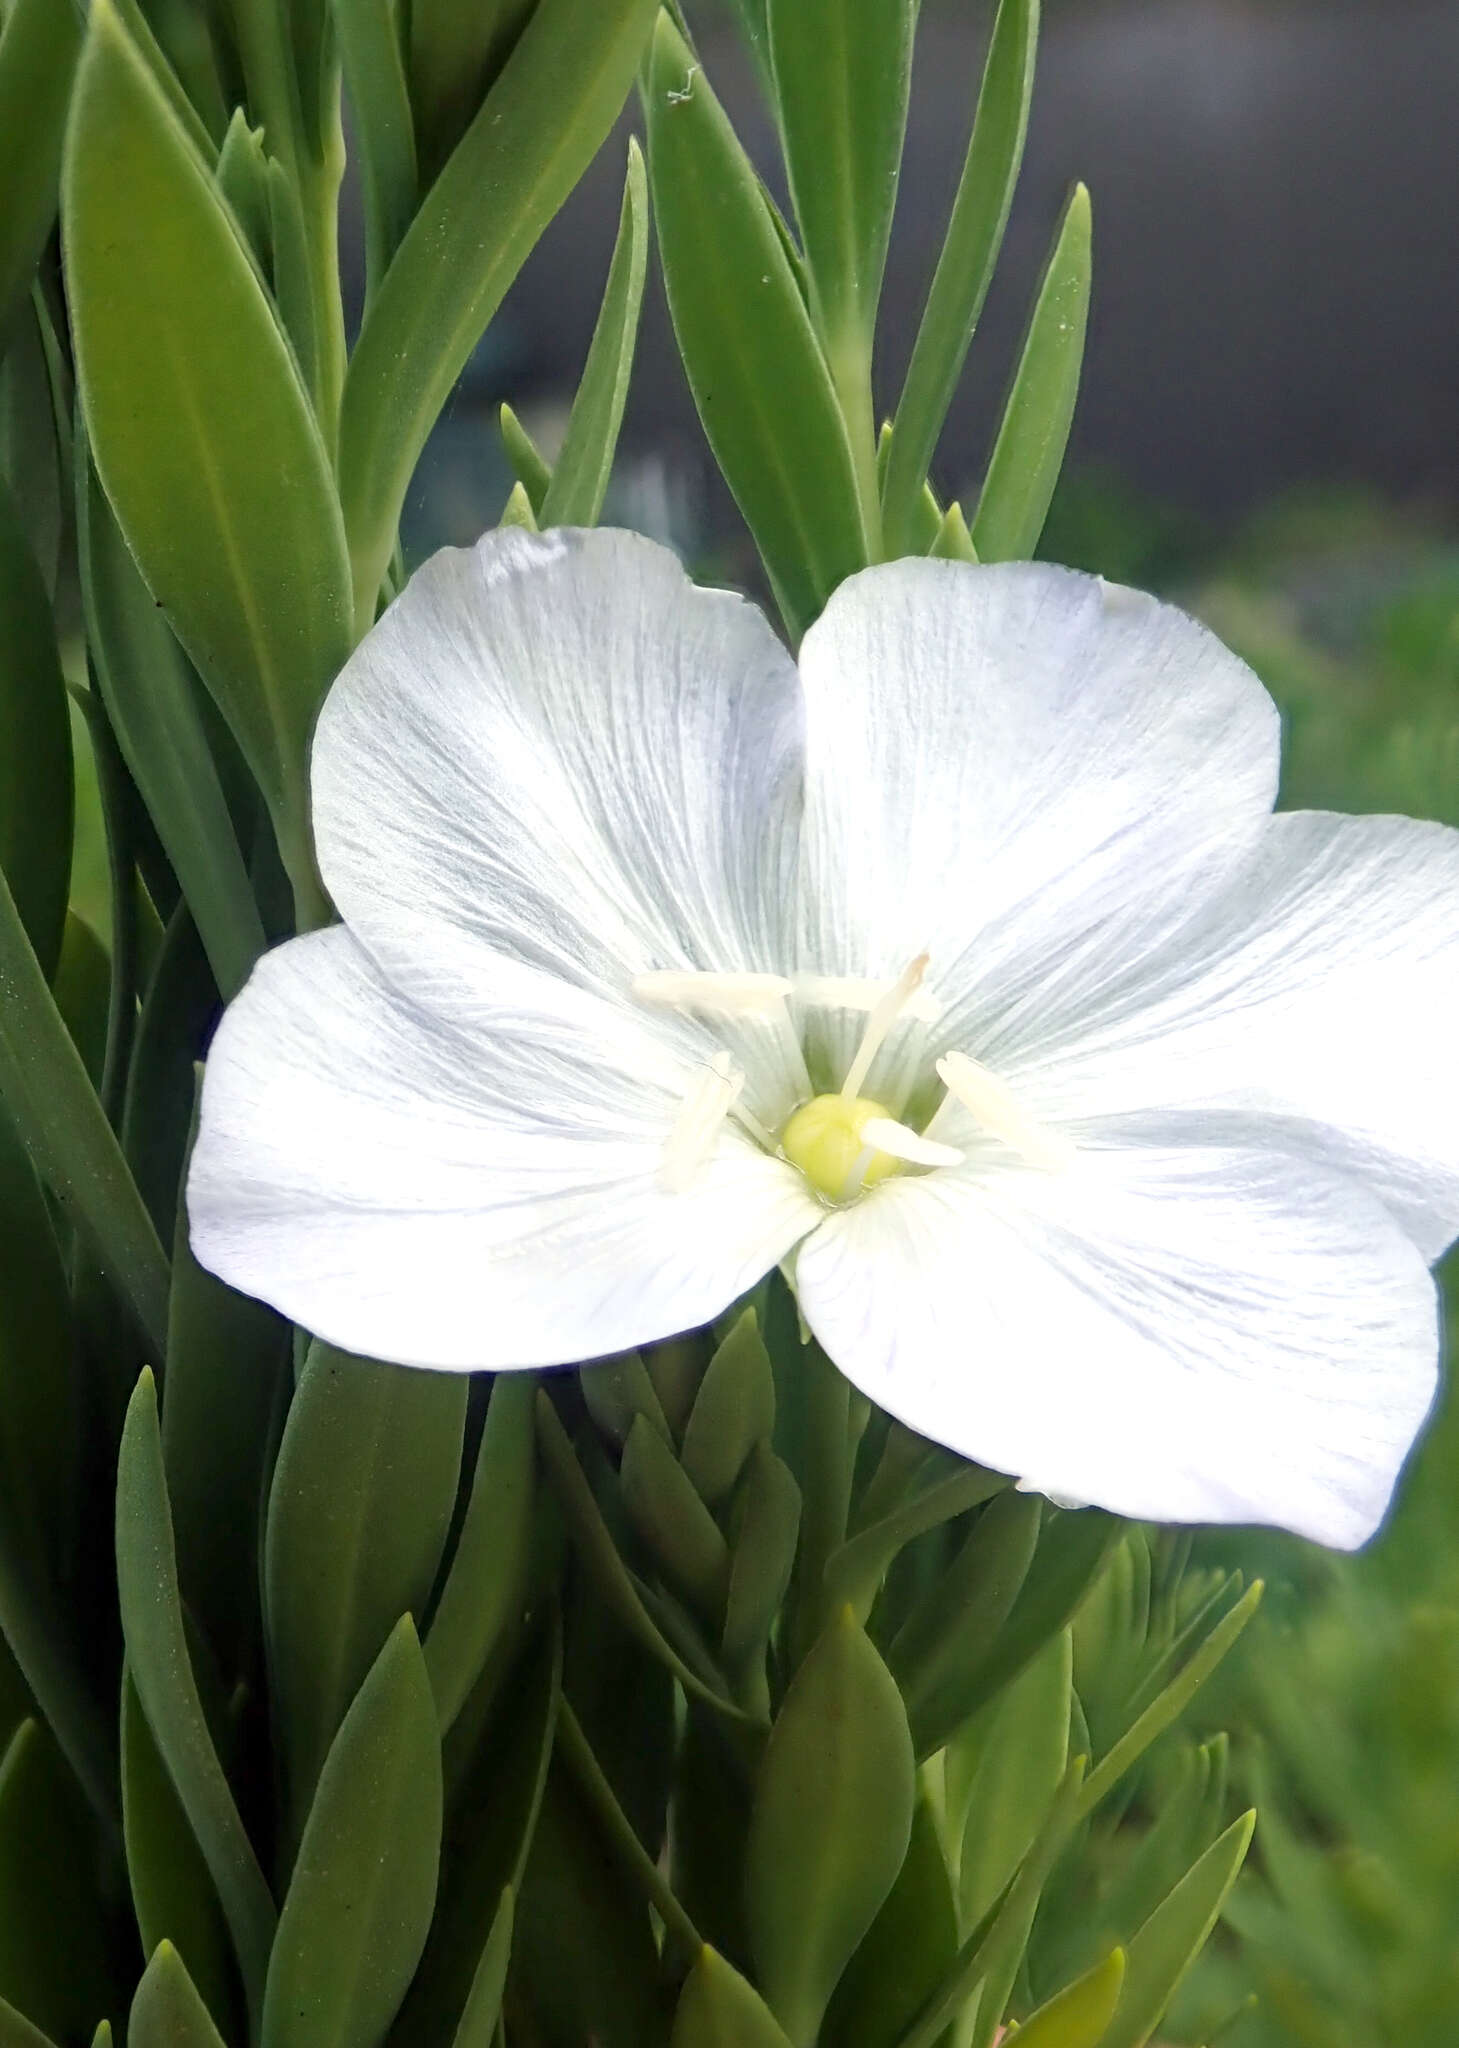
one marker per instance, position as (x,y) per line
(859,992)
(997,1109)
(889,1006)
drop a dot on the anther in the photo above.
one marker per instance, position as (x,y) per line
(711,1097)
(726,995)
(898,1142)
(996,1108)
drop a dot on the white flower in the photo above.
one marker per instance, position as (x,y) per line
(1155,1124)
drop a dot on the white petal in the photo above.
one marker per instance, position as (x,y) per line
(1318,986)
(555,747)
(995,755)
(442,1198)
(1185,1335)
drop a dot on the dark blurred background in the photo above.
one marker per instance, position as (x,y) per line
(1276,299)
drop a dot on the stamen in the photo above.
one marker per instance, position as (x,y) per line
(729,995)
(996,1108)
(899,1143)
(711,1097)
(885,1013)
(859,992)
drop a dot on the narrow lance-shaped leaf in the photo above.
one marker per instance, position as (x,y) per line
(756,370)
(718,2009)
(36,787)
(1078,2016)
(574,497)
(150,696)
(39,45)
(831,1821)
(965,267)
(1174,1936)
(482,2011)
(45,1090)
(162,1671)
(358,1513)
(167,2011)
(539,127)
(1029,451)
(360,1902)
(201,432)
(843,69)
(374,71)
(532,471)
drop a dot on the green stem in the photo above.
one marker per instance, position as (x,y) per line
(830,1448)
(849,361)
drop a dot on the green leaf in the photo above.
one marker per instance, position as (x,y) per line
(575,494)
(1163,1712)
(374,71)
(30,454)
(36,783)
(831,1821)
(482,2011)
(1029,451)
(227,1357)
(965,267)
(533,474)
(456,48)
(167,2011)
(54,1960)
(541,124)
(677,1527)
(843,69)
(361,1502)
(17,2032)
(39,45)
(242,178)
(37,1421)
(496,1793)
(938,1652)
(150,694)
(162,1672)
(172,1891)
(857,1568)
(203,437)
(1021,1762)
(954,543)
(82,986)
(1071,1552)
(1174,1936)
(767,1525)
(615,1584)
(616,1392)
(45,1090)
(360,1901)
(484,1594)
(178,1014)
(1078,2016)
(718,2009)
(761,384)
(102,2037)
(733,1410)
(907,1952)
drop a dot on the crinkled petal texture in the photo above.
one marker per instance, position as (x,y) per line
(1169,1330)
(439,1196)
(1000,762)
(556,747)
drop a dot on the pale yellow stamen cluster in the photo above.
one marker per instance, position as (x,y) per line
(842,1143)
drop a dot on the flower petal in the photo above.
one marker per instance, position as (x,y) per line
(1316,988)
(442,1198)
(1218,1335)
(556,747)
(996,755)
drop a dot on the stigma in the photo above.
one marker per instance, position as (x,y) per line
(844,1145)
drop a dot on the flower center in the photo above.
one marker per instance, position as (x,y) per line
(827,1139)
(843,1143)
